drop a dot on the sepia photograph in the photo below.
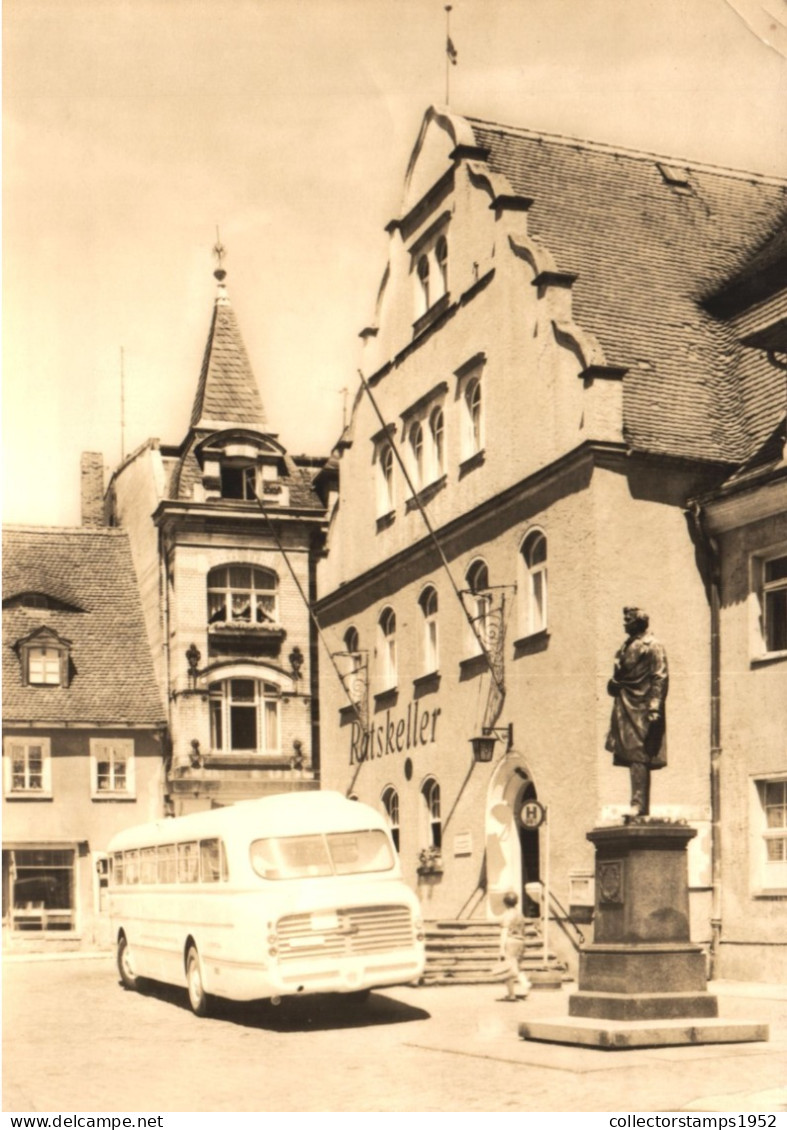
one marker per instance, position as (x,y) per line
(394,671)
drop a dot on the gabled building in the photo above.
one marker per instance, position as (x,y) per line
(225,530)
(549,383)
(83,729)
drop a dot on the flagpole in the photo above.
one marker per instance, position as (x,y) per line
(447,55)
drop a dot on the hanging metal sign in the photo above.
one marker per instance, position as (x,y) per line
(532,814)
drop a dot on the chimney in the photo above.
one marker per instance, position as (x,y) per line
(92,488)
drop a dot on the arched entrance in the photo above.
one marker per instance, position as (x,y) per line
(512,851)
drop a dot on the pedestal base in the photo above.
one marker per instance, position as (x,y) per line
(610,1035)
(642,1006)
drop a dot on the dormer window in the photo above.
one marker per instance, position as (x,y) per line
(239,481)
(44,656)
(423,281)
(43,666)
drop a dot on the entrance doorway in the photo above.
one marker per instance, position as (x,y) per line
(529,847)
(512,850)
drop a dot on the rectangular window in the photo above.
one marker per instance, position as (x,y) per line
(112,768)
(774,603)
(188,863)
(27,768)
(167,864)
(148,865)
(773,796)
(43,666)
(213,861)
(41,886)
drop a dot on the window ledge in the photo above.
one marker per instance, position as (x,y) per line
(473,665)
(28,796)
(770,893)
(239,627)
(473,461)
(432,314)
(386,520)
(428,681)
(768,657)
(349,712)
(122,797)
(387,697)
(534,641)
(426,494)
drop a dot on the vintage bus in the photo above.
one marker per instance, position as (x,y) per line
(291,894)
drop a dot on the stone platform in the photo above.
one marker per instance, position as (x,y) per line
(618,1035)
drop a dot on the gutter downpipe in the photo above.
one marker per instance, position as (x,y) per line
(711,550)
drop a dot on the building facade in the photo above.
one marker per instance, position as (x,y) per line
(545,388)
(83,729)
(225,530)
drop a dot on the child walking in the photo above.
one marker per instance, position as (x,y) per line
(512,939)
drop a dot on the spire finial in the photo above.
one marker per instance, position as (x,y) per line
(220,253)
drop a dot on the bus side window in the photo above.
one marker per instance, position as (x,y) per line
(213,864)
(167,869)
(148,869)
(131,863)
(188,863)
(117,868)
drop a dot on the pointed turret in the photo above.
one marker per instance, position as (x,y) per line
(227,393)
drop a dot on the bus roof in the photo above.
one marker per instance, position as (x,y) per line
(290,814)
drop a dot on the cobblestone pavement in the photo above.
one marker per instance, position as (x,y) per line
(75,1041)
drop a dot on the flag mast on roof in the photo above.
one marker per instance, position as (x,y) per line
(451,54)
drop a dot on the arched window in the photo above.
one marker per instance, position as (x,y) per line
(441,255)
(242,594)
(534,588)
(423,282)
(437,432)
(479,601)
(386,501)
(417,446)
(474,423)
(354,677)
(430,791)
(387,624)
(428,603)
(244,716)
(390,800)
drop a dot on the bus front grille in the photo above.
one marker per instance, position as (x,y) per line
(357,930)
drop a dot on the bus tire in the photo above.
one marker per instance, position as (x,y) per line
(125,965)
(358,996)
(198,998)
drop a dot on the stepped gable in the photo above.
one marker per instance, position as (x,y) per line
(651,239)
(89,577)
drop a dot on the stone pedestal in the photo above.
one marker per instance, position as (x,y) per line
(642,964)
(642,978)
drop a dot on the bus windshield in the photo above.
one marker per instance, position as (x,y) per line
(335,853)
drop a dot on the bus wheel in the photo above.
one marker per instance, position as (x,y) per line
(198,998)
(126,966)
(358,996)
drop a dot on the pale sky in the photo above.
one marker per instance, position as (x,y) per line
(133,127)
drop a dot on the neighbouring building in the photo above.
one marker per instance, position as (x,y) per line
(225,530)
(551,382)
(83,729)
(742,526)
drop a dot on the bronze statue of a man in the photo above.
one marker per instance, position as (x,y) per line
(637,731)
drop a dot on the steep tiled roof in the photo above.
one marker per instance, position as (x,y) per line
(648,251)
(91,571)
(227,391)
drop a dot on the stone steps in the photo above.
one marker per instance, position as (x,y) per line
(466,952)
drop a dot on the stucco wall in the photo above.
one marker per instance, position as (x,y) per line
(71,817)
